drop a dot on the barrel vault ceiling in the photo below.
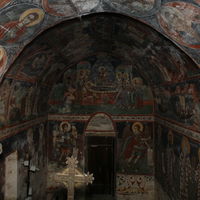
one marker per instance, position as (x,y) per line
(22,20)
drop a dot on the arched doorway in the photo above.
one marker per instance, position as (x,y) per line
(100,155)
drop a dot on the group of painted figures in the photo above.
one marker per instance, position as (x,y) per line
(182,101)
(179,165)
(101,85)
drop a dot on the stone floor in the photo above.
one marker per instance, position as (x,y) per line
(97,197)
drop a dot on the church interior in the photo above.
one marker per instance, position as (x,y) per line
(99,100)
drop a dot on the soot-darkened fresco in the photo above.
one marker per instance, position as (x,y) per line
(20,101)
(135,148)
(107,73)
(101,83)
(153,56)
(65,139)
(180,102)
(21,20)
(135,162)
(177,164)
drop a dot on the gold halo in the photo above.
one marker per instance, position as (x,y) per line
(170,133)
(185,144)
(139,124)
(33,10)
(63,123)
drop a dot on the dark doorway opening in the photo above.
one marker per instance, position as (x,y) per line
(100,162)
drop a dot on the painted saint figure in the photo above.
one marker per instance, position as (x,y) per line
(185,169)
(135,146)
(170,159)
(12,31)
(67,140)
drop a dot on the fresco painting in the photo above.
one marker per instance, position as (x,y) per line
(181,22)
(5,90)
(198,2)
(3,59)
(101,85)
(61,8)
(19,23)
(176,164)
(135,148)
(179,102)
(150,64)
(138,7)
(20,101)
(86,5)
(134,187)
(36,63)
(4,3)
(66,139)
(100,124)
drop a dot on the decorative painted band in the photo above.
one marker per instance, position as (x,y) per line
(9,131)
(178,128)
(61,117)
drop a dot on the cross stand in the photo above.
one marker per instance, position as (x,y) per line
(71,176)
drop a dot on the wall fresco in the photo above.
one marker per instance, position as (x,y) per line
(180,21)
(21,101)
(147,47)
(185,34)
(58,8)
(4,3)
(135,187)
(65,139)
(101,85)
(137,8)
(3,59)
(179,102)
(86,6)
(135,148)
(31,146)
(176,164)
(19,22)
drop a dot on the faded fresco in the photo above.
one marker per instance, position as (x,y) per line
(58,8)
(101,84)
(177,164)
(147,47)
(65,139)
(20,101)
(100,125)
(31,146)
(135,162)
(134,187)
(4,3)
(22,20)
(19,23)
(137,7)
(179,102)
(135,148)
(181,22)
(3,59)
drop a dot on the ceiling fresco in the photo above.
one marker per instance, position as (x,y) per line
(104,47)
(156,59)
(22,20)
